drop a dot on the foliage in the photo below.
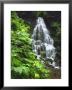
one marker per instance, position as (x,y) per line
(56,34)
(40,13)
(23,61)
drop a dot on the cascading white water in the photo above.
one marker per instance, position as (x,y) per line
(41,41)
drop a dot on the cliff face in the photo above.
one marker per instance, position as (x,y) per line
(53,22)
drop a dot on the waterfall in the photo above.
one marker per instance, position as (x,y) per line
(42,42)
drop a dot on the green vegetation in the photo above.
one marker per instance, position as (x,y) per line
(56,34)
(40,14)
(23,61)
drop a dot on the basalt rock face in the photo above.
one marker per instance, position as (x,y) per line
(54,30)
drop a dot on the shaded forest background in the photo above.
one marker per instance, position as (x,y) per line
(23,61)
